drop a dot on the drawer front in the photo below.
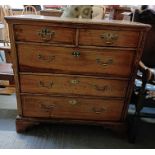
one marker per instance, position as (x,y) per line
(78,85)
(31,33)
(69,60)
(69,107)
(108,38)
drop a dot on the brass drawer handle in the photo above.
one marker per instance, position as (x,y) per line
(73,102)
(46,85)
(103,88)
(98,111)
(104,63)
(46,34)
(47,107)
(74,81)
(46,58)
(109,37)
(76,53)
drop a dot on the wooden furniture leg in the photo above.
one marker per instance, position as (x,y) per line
(22,124)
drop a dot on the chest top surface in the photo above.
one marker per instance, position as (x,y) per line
(75,21)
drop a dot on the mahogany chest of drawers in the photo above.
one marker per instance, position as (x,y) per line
(74,70)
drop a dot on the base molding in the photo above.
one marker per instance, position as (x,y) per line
(25,123)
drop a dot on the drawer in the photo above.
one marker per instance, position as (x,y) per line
(75,61)
(49,34)
(78,85)
(71,107)
(108,38)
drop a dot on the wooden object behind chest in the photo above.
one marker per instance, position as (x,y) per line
(74,70)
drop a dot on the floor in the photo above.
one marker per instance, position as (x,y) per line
(56,136)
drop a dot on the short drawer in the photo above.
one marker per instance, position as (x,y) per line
(70,60)
(71,107)
(108,38)
(49,34)
(78,85)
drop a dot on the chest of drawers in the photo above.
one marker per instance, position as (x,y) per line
(74,70)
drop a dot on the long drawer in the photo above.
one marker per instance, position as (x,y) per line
(78,85)
(108,38)
(50,34)
(71,107)
(51,59)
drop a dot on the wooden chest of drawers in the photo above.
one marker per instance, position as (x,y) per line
(74,70)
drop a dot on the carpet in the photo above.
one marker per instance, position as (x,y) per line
(59,136)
